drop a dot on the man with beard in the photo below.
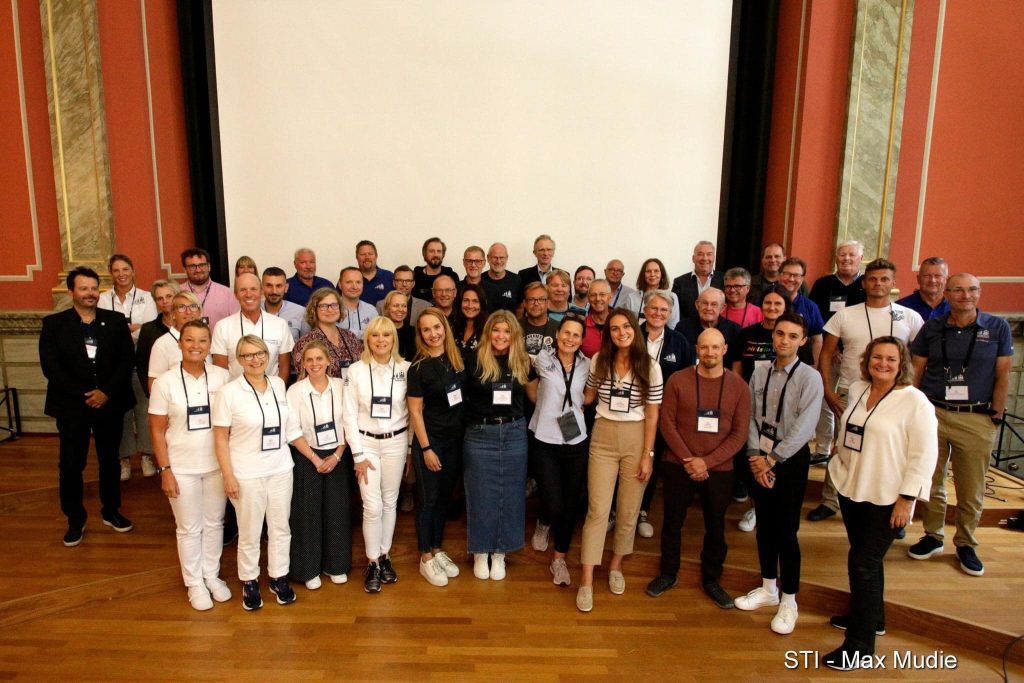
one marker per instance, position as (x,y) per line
(217,300)
(433,251)
(377,282)
(581,281)
(275,287)
(510,289)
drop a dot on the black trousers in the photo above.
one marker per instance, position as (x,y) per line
(778,521)
(320,518)
(714,493)
(561,472)
(867,527)
(105,426)
(435,489)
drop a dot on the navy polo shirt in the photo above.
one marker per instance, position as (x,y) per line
(810,313)
(376,289)
(916,303)
(993,340)
(299,292)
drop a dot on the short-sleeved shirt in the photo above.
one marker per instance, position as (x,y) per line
(551,401)
(539,337)
(174,392)
(299,292)
(218,301)
(431,379)
(508,289)
(857,325)
(810,313)
(479,394)
(376,289)
(269,327)
(357,320)
(830,295)
(247,411)
(308,407)
(637,401)
(166,353)
(915,302)
(138,307)
(744,317)
(423,282)
(992,341)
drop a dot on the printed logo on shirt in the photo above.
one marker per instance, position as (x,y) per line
(983,335)
(897,316)
(507,294)
(400,376)
(670,358)
(379,285)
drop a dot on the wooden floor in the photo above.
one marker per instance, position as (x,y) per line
(114,607)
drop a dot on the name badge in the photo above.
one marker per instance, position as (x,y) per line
(956,389)
(380,407)
(854,438)
(271,438)
(836,303)
(91,346)
(198,418)
(344,369)
(707,421)
(766,442)
(326,434)
(454,393)
(502,394)
(569,426)
(618,400)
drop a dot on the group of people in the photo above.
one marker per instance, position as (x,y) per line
(263,402)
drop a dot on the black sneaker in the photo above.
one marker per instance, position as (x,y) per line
(819,458)
(842,659)
(73,536)
(842,622)
(739,491)
(900,534)
(387,572)
(280,588)
(660,584)
(371,578)
(718,595)
(925,548)
(819,513)
(118,522)
(251,595)
(969,561)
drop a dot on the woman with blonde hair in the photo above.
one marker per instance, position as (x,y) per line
(396,307)
(495,444)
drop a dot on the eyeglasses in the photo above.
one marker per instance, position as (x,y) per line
(732,287)
(615,270)
(197,266)
(259,355)
(403,281)
(328,307)
(444,291)
(960,291)
(181,308)
(473,261)
(536,300)
(791,274)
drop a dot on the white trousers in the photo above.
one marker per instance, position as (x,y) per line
(269,497)
(199,516)
(380,492)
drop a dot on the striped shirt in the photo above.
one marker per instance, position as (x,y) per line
(637,402)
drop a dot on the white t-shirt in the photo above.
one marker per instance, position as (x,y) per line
(138,307)
(189,451)
(358,408)
(247,412)
(852,327)
(303,400)
(269,327)
(611,407)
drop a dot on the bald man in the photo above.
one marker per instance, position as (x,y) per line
(509,285)
(704,421)
(251,319)
(613,274)
(709,307)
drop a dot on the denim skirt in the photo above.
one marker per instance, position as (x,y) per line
(495,477)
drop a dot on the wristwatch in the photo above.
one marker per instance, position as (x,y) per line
(650,452)
(160,470)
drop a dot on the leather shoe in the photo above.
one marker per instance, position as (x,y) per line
(718,595)
(660,584)
(819,513)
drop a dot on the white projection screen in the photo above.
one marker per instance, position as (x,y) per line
(599,122)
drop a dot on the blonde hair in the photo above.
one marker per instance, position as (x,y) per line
(391,297)
(251,340)
(189,297)
(380,324)
(313,344)
(450,349)
(518,359)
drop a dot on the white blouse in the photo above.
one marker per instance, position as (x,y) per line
(303,400)
(386,380)
(247,412)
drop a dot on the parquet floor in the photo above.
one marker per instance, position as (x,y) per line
(114,608)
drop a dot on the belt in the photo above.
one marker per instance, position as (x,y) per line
(985,408)
(494,420)
(385,435)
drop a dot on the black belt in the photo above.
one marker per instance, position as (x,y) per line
(385,435)
(985,408)
(493,420)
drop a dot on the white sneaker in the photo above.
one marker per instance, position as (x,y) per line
(451,570)
(313,583)
(561,572)
(126,469)
(199,598)
(785,619)
(219,589)
(540,537)
(148,468)
(644,529)
(338,578)
(497,566)
(749,521)
(433,573)
(759,597)
(480,568)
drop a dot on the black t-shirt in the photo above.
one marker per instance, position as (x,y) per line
(538,337)
(829,288)
(423,284)
(430,379)
(407,341)
(507,290)
(754,342)
(479,395)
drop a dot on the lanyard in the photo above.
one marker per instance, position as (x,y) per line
(782,396)
(868,318)
(131,306)
(567,379)
(206,380)
(372,392)
(864,425)
(721,390)
(175,334)
(348,319)
(209,286)
(616,299)
(970,349)
(241,317)
(313,408)
(260,403)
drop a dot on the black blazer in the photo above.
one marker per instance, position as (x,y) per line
(691,329)
(676,353)
(685,287)
(70,372)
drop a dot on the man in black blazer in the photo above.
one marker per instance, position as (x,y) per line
(709,307)
(87,357)
(689,286)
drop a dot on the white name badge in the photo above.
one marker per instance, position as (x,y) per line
(766,442)
(836,303)
(454,396)
(502,394)
(326,434)
(91,346)
(380,407)
(618,400)
(956,391)
(854,438)
(271,438)
(198,418)
(707,421)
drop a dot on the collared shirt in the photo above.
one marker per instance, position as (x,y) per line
(992,341)
(303,399)
(551,401)
(621,296)
(166,353)
(299,292)
(851,325)
(188,452)
(273,330)
(293,314)
(701,288)
(830,295)
(138,307)
(355,321)
(810,313)
(634,301)
(579,310)
(218,301)
(378,287)
(915,302)
(799,412)
(390,379)
(247,411)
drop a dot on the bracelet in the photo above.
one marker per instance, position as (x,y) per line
(426,448)
(161,470)
(337,457)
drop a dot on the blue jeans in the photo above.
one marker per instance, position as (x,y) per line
(495,477)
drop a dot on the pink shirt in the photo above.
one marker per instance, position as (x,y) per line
(744,317)
(217,300)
